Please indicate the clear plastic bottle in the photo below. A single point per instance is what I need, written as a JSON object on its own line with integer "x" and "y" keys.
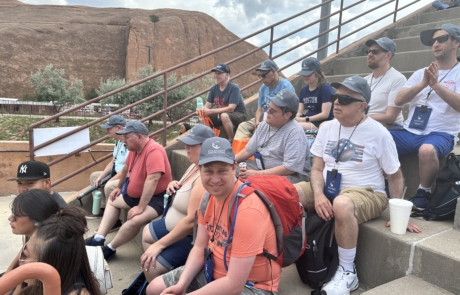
{"x": 199, "y": 103}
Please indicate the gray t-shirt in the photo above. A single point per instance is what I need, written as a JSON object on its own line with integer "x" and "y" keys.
{"x": 287, "y": 146}
{"x": 57, "y": 197}
{"x": 230, "y": 95}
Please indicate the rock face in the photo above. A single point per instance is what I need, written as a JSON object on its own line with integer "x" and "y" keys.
{"x": 94, "y": 43}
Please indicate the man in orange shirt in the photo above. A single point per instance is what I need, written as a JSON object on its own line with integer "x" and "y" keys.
{"x": 248, "y": 272}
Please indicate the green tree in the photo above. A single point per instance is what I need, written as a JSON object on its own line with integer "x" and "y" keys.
{"x": 122, "y": 98}
{"x": 51, "y": 85}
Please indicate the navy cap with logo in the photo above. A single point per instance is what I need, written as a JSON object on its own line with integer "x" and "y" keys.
{"x": 427, "y": 35}
{"x": 268, "y": 65}
{"x": 285, "y": 98}
{"x": 216, "y": 150}
{"x": 385, "y": 43}
{"x": 197, "y": 135}
{"x": 223, "y": 68}
{"x": 32, "y": 170}
{"x": 357, "y": 84}
{"x": 134, "y": 126}
{"x": 309, "y": 65}
{"x": 113, "y": 121}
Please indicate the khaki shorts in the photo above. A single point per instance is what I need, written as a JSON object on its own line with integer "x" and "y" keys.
{"x": 368, "y": 204}
{"x": 172, "y": 277}
{"x": 235, "y": 117}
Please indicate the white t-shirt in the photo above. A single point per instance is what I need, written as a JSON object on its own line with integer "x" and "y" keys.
{"x": 368, "y": 153}
{"x": 384, "y": 90}
{"x": 443, "y": 117}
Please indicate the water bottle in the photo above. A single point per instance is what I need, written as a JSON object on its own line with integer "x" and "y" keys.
{"x": 165, "y": 200}
{"x": 199, "y": 103}
{"x": 97, "y": 202}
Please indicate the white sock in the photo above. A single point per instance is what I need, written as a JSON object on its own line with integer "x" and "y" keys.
{"x": 427, "y": 189}
{"x": 111, "y": 247}
{"x": 346, "y": 258}
{"x": 99, "y": 237}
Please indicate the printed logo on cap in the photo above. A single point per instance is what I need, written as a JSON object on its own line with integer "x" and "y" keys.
{"x": 214, "y": 145}
{"x": 23, "y": 169}
{"x": 351, "y": 80}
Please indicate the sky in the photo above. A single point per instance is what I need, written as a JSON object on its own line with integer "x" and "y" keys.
{"x": 243, "y": 17}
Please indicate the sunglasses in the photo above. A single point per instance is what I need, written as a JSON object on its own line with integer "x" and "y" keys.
{"x": 272, "y": 111}
{"x": 344, "y": 99}
{"x": 23, "y": 258}
{"x": 440, "y": 39}
{"x": 374, "y": 51}
{"x": 262, "y": 76}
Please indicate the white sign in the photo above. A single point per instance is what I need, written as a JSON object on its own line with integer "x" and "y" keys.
{"x": 63, "y": 146}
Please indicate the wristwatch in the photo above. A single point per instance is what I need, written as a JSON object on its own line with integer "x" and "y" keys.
{"x": 307, "y": 119}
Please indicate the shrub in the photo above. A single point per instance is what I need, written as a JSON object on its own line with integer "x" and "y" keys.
{"x": 154, "y": 18}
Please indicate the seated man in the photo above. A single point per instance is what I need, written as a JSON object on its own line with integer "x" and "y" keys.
{"x": 230, "y": 110}
{"x": 248, "y": 272}
{"x": 352, "y": 153}
{"x": 146, "y": 175}
{"x": 111, "y": 171}
{"x": 385, "y": 82}
{"x": 272, "y": 84}
{"x": 279, "y": 143}
{"x": 434, "y": 95}
{"x": 35, "y": 174}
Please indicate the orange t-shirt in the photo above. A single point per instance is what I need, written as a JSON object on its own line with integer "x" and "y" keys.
{"x": 254, "y": 232}
{"x": 152, "y": 159}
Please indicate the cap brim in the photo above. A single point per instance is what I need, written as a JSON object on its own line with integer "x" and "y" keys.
{"x": 107, "y": 126}
{"x": 264, "y": 69}
{"x": 305, "y": 73}
{"x": 189, "y": 141}
{"x": 279, "y": 103}
{"x": 217, "y": 70}
{"x": 215, "y": 159}
{"x": 124, "y": 131}
{"x": 426, "y": 36}
{"x": 25, "y": 178}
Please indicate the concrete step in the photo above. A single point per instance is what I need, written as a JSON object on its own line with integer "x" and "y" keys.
{"x": 441, "y": 15}
{"x": 403, "y": 61}
{"x": 413, "y": 31}
{"x": 409, "y": 285}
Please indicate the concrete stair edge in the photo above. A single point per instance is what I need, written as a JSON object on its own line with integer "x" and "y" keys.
{"x": 407, "y": 285}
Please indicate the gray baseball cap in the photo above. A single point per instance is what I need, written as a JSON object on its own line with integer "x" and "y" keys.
{"x": 309, "y": 65}
{"x": 268, "y": 65}
{"x": 114, "y": 120}
{"x": 134, "y": 126}
{"x": 357, "y": 84}
{"x": 384, "y": 43}
{"x": 285, "y": 98}
{"x": 427, "y": 35}
{"x": 216, "y": 150}
{"x": 197, "y": 135}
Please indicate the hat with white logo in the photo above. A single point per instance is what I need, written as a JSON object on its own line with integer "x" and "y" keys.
{"x": 223, "y": 68}
{"x": 268, "y": 65}
{"x": 309, "y": 65}
{"x": 285, "y": 98}
{"x": 32, "y": 170}
{"x": 197, "y": 135}
{"x": 357, "y": 84}
{"x": 216, "y": 150}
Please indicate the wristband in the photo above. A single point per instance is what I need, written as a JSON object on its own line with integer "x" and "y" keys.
{"x": 307, "y": 119}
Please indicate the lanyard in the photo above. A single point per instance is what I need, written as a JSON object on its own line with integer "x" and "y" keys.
{"x": 431, "y": 89}
{"x": 344, "y": 146}
{"x": 378, "y": 80}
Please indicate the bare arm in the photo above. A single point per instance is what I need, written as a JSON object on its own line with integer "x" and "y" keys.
{"x": 242, "y": 155}
{"x": 389, "y": 117}
{"x": 228, "y": 109}
{"x": 323, "y": 206}
{"x": 407, "y": 94}
{"x": 450, "y": 97}
{"x": 258, "y": 116}
{"x": 278, "y": 170}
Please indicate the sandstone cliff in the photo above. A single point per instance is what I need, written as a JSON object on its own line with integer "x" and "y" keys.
{"x": 94, "y": 43}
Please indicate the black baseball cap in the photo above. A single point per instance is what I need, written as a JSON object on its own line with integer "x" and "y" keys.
{"x": 32, "y": 170}
{"x": 223, "y": 68}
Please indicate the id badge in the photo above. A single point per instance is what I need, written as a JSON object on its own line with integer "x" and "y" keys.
{"x": 208, "y": 265}
{"x": 124, "y": 189}
{"x": 333, "y": 180}
{"x": 264, "y": 117}
{"x": 420, "y": 118}
{"x": 259, "y": 161}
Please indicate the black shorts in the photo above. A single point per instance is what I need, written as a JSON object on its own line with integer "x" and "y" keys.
{"x": 156, "y": 202}
{"x": 235, "y": 117}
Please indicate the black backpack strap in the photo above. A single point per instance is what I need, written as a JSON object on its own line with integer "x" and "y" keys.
{"x": 203, "y": 206}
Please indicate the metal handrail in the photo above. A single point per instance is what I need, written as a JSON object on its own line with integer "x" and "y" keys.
{"x": 164, "y": 74}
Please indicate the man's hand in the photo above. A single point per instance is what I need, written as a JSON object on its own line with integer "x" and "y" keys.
{"x": 323, "y": 207}
{"x": 206, "y": 112}
{"x": 410, "y": 227}
{"x": 300, "y": 119}
{"x": 173, "y": 186}
{"x": 114, "y": 194}
{"x": 173, "y": 290}
{"x": 149, "y": 258}
{"x": 245, "y": 173}
{"x": 136, "y": 210}
{"x": 432, "y": 72}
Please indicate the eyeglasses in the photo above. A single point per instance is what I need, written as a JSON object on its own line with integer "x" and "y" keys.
{"x": 374, "y": 51}
{"x": 344, "y": 99}
{"x": 272, "y": 111}
{"x": 23, "y": 258}
{"x": 440, "y": 39}
{"x": 262, "y": 76}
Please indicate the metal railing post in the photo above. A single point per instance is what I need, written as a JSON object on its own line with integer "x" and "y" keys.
{"x": 340, "y": 27}
{"x": 271, "y": 42}
{"x": 324, "y": 26}
{"x": 165, "y": 105}
{"x": 396, "y": 11}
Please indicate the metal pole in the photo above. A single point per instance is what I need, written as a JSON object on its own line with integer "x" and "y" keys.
{"x": 340, "y": 27}
{"x": 324, "y": 26}
{"x": 149, "y": 47}
{"x": 165, "y": 105}
{"x": 396, "y": 10}
{"x": 271, "y": 42}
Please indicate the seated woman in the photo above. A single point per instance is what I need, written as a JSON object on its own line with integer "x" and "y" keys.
{"x": 28, "y": 210}
{"x": 58, "y": 241}
{"x": 315, "y": 105}
{"x": 184, "y": 128}
{"x": 167, "y": 241}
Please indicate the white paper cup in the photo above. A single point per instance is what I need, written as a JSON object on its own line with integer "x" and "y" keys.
{"x": 399, "y": 215}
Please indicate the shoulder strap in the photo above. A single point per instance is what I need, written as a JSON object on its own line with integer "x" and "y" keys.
{"x": 203, "y": 206}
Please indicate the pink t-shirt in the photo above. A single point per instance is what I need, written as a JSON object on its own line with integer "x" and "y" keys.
{"x": 152, "y": 159}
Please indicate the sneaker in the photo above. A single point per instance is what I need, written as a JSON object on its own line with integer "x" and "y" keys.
{"x": 108, "y": 253}
{"x": 93, "y": 242}
{"x": 342, "y": 283}
{"x": 115, "y": 227}
{"x": 420, "y": 200}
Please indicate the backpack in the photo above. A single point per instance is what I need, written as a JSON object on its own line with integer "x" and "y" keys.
{"x": 443, "y": 201}
{"x": 281, "y": 199}
{"x": 137, "y": 287}
{"x": 321, "y": 258}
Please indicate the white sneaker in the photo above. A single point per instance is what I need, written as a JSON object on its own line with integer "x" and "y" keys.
{"x": 342, "y": 283}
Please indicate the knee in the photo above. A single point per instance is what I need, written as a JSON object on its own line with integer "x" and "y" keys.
{"x": 343, "y": 207}
{"x": 225, "y": 118}
{"x": 135, "y": 223}
{"x": 156, "y": 286}
{"x": 427, "y": 151}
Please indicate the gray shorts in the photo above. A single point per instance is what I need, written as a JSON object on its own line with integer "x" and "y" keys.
{"x": 171, "y": 278}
